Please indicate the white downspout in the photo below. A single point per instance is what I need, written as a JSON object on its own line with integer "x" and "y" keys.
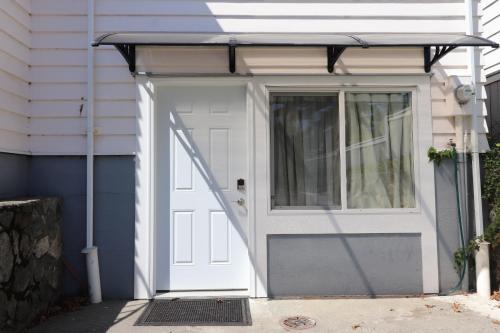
{"x": 94, "y": 280}
{"x": 482, "y": 255}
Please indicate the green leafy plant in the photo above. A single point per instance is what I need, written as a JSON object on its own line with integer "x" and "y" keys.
{"x": 491, "y": 187}
{"x": 491, "y": 192}
{"x": 491, "y": 235}
{"x": 438, "y": 156}
{"x": 462, "y": 254}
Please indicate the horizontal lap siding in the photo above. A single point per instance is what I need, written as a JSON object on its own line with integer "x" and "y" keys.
{"x": 59, "y": 55}
{"x": 491, "y": 23}
{"x": 492, "y": 58}
{"x": 14, "y": 75}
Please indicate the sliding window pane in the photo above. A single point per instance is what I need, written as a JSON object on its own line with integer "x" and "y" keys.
{"x": 379, "y": 150}
{"x": 305, "y": 151}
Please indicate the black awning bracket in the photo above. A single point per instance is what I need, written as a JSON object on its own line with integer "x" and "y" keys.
{"x": 232, "y": 56}
{"x": 128, "y": 53}
{"x": 439, "y": 52}
{"x": 333, "y": 54}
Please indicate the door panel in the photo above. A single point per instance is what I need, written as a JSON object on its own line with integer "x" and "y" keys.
{"x": 182, "y": 166}
{"x": 219, "y": 156}
{"x": 220, "y": 238}
{"x": 204, "y": 226}
{"x": 182, "y": 226}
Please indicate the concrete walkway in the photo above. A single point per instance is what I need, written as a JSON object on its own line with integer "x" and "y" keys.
{"x": 386, "y": 315}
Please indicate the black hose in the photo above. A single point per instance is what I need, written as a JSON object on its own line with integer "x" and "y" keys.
{"x": 460, "y": 227}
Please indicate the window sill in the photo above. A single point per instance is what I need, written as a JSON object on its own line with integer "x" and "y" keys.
{"x": 371, "y": 211}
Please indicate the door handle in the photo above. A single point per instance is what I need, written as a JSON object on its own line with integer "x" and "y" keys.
{"x": 240, "y": 202}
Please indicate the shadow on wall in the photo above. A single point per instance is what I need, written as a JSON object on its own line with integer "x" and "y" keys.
{"x": 65, "y": 177}
{"x": 13, "y": 171}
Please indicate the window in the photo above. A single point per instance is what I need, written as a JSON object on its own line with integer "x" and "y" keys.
{"x": 306, "y": 150}
{"x": 379, "y": 150}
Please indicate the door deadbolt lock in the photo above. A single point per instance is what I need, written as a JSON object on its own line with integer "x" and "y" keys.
{"x": 240, "y": 184}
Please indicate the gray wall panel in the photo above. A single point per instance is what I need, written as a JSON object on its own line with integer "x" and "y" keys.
{"x": 65, "y": 176}
{"x": 13, "y": 175}
{"x": 378, "y": 264}
{"x": 447, "y": 226}
{"x": 114, "y": 223}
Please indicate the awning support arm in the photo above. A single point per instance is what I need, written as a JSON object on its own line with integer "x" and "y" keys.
{"x": 333, "y": 54}
{"x": 439, "y": 52}
{"x": 128, "y": 53}
{"x": 232, "y": 57}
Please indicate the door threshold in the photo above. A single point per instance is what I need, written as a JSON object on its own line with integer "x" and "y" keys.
{"x": 202, "y": 293}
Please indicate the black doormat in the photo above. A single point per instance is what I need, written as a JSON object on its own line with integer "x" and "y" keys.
{"x": 197, "y": 312}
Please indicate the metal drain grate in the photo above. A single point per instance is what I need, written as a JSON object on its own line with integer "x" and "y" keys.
{"x": 197, "y": 312}
{"x": 298, "y": 323}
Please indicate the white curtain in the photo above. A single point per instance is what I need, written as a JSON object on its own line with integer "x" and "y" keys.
{"x": 305, "y": 150}
{"x": 379, "y": 150}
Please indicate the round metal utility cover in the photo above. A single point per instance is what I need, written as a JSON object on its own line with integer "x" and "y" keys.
{"x": 298, "y": 323}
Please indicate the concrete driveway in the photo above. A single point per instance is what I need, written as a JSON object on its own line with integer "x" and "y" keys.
{"x": 433, "y": 314}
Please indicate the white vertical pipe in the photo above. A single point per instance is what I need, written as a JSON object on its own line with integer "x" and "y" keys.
{"x": 94, "y": 281}
{"x": 90, "y": 126}
{"x": 482, "y": 256}
{"x": 93, "y": 278}
{"x": 483, "y": 271}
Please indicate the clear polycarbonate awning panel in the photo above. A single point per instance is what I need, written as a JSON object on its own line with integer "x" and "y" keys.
{"x": 335, "y": 44}
{"x": 175, "y": 39}
{"x": 366, "y": 40}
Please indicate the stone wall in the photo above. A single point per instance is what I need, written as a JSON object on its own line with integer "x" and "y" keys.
{"x": 30, "y": 259}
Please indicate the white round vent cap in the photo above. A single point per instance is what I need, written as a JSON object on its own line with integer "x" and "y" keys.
{"x": 464, "y": 93}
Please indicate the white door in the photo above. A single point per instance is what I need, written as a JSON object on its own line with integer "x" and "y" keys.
{"x": 207, "y": 215}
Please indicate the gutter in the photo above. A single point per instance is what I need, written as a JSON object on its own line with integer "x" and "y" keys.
{"x": 94, "y": 280}
{"x": 482, "y": 255}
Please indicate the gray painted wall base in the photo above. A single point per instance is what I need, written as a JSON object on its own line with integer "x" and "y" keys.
{"x": 65, "y": 176}
{"x": 447, "y": 227}
{"x": 114, "y": 203}
{"x": 13, "y": 175}
{"x": 375, "y": 264}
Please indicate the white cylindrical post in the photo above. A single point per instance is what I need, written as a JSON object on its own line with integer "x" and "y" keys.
{"x": 94, "y": 280}
{"x": 483, "y": 270}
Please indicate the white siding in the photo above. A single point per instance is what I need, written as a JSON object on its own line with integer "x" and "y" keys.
{"x": 58, "y": 55}
{"x": 491, "y": 24}
{"x": 14, "y": 75}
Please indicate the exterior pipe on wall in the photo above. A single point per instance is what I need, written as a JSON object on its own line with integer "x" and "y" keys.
{"x": 94, "y": 281}
{"x": 482, "y": 255}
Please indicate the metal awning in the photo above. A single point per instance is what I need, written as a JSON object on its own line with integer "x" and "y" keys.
{"x": 334, "y": 44}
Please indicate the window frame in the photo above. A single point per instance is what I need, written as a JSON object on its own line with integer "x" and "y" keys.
{"x": 271, "y": 151}
{"x": 341, "y": 91}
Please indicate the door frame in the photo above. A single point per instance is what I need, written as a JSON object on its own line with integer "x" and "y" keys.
{"x": 146, "y": 176}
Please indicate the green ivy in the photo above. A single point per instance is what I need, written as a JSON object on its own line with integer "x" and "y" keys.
{"x": 491, "y": 188}
{"x": 491, "y": 192}
{"x": 462, "y": 254}
{"x": 439, "y": 155}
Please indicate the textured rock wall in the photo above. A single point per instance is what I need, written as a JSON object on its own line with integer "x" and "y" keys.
{"x": 30, "y": 259}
